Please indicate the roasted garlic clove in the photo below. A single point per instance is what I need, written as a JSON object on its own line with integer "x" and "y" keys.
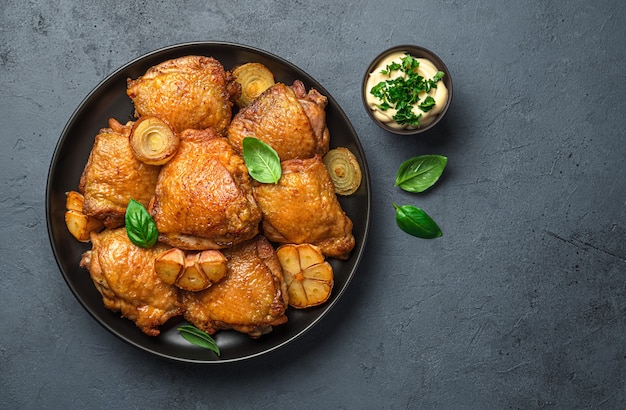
{"x": 192, "y": 279}
{"x": 254, "y": 78}
{"x": 213, "y": 264}
{"x": 344, "y": 170}
{"x": 74, "y": 201}
{"x": 153, "y": 141}
{"x": 309, "y": 278}
{"x": 169, "y": 264}
{"x": 80, "y": 225}
{"x": 193, "y": 271}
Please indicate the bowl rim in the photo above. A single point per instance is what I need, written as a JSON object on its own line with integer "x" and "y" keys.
{"x": 416, "y": 51}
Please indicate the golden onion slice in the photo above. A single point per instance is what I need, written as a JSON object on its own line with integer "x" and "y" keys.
{"x": 309, "y": 278}
{"x": 153, "y": 141}
{"x": 254, "y": 78}
{"x": 344, "y": 170}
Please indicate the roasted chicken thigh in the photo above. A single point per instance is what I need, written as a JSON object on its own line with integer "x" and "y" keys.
{"x": 303, "y": 208}
{"x": 113, "y": 176}
{"x": 251, "y": 298}
{"x": 187, "y": 92}
{"x": 203, "y": 195}
{"x": 124, "y": 275}
{"x": 289, "y": 119}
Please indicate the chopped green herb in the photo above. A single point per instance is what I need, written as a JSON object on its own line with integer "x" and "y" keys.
{"x": 427, "y": 104}
{"x": 391, "y": 67}
{"x": 438, "y": 77}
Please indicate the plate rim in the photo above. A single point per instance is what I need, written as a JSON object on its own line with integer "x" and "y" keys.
{"x": 172, "y": 49}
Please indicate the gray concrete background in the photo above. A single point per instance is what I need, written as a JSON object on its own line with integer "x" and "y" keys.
{"x": 522, "y": 302}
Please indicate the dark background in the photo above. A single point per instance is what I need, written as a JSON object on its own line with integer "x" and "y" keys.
{"x": 522, "y": 302}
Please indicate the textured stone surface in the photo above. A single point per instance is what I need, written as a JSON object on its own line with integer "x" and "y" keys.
{"x": 522, "y": 302}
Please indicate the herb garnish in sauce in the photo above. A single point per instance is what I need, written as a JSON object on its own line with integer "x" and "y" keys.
{"x": 403, "y": 92}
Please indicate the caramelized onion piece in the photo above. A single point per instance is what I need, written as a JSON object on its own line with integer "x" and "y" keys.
{"x": 309, "y": 278}
{"x": 254, "y": 79}
{"x": 153, "y": 141}
{"x": 344, "y": 170}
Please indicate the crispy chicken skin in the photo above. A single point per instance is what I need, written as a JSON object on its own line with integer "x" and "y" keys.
{"x": 203, "y": 195}
{"x": 112, "y": 176}
{"x": 252, "y": 297}
{"x": 124, "y": 275}
{"x": 303, "y": 208}
{"x": 286, "y": 118}
{"x": 187, "y": 92}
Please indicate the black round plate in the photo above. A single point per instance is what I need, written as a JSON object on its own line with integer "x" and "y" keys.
{"x": 109, "y": 100}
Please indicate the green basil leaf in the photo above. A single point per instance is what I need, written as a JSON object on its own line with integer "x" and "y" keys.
{"x": 416, "y": 222}
{"x": 140, "y": 226}
{"x": 262, "y": 161}
{"x": 419, "y": 173}
{"x": 199, "y": 338}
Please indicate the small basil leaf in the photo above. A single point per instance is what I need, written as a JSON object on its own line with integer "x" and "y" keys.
{"x": 199, "y": 338}
{"x": 140, "y": 226}
{"x": 262, "y": 161}
{"x": 416, "y": 222}
{"x": 419, "y": 173}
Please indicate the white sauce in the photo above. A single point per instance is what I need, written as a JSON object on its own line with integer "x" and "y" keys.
{"x": 427, "y": 70}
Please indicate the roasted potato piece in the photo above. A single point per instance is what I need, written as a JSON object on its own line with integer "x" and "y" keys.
{"x": 79, "y": 224}
{"x": 153, "y": 141}
{"x": 254, "y": 78}
{"x": 193, "y": 271}
{"x": 308, "y": 276}
{"x": 344, "y": 170}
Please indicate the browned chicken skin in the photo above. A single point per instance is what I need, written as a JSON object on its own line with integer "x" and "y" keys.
{"x": 286, "y": 118}
{"x": 187, "y": 92}
{"x": 124, "y": 275}
{"x": 203, "y": 196}
{"x": 303, "y": 208}
{"x": 112, "y": 176}
{"x": 251, "y": 298}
